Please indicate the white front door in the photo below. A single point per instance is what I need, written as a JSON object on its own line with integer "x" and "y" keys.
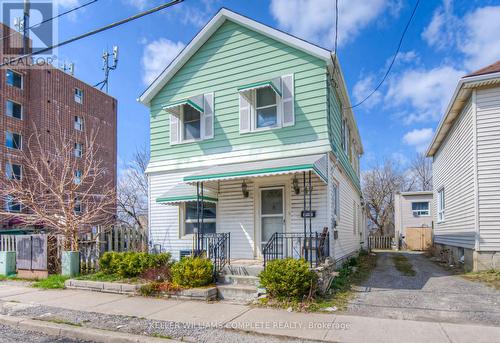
{"x": 272, "y": 213}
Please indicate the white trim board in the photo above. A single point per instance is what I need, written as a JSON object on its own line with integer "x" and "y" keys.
{"x": 208, "y": 30}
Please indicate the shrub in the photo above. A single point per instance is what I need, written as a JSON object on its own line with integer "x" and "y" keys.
{"x": 288, "y": 278}
{"x": 192, "y": 272}
{"x": 132, "y": 264}
{"x": 156, "y": 288}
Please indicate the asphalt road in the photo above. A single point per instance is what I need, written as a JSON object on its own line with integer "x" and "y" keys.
{"x": 11, "y": 335}
{"x": 433, "y": 294}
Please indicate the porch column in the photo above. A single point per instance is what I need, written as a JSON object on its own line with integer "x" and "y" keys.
{"x": 202, "y": 229}
{"x": 305, "y": 219}
{"x": 310, "y": 219}
{"x": 197, "y": 217}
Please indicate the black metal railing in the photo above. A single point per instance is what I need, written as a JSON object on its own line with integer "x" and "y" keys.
{"x": 217, "y": 248}
{"x": 313, "y": 247}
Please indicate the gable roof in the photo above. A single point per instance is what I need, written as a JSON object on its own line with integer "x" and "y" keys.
{"x": 485, "y": 77}
{"x": 492, "y": 68}
{"x": 207, "y": 31}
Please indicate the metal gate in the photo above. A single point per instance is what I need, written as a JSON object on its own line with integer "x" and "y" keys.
{"x": 31, "y": 252}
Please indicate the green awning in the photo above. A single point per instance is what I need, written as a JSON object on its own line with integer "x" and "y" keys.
{"x": 182, "y": 192}
{"x": 314, "y": 163}
{"x": 275, "y": 85}
{"x": 195, "y": 102}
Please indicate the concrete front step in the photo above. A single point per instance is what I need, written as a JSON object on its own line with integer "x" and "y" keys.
{"x": 237, "y": 293}
{"x": 243, "y": 270}
{"x": 240, "y": 280}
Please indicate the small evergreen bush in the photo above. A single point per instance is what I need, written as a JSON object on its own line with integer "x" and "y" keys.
{"x": 192, "y": 272}
{"x": 132, "y": 264}
{"x": 288, "y": 279}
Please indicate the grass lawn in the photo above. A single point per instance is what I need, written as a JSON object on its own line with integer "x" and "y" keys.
{"x": 403, "y": 265}
{"x": 52, "y": 282}
{"x": 489, "y": 277}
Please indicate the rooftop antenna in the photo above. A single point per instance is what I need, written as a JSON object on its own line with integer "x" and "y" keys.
{"x": 107, "y": 68}
{"x": 26, "y": 26}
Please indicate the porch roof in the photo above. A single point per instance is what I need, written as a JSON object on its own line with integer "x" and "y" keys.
{"x": 315, "y": 163}
{"x": 182, "y": 192}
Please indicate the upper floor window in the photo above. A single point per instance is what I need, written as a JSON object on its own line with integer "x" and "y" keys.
{"x": 78, "y": 177}
{"x": 79, "y": 95}
{"x": 346, "y": 137}
{"x": 191, "y": 119}
{"x": 266, "y": 108}
{"x": 191, "y": 123}
{"x": 78, "y": 123}
{"x": 13, "y": 171}
{"x": 267, "y": 104}
{"x": 11, "y": 205}
{"x": 14, "y": 79}
{"x": 13, "y": 140}
{"x": 13, "y": 109}
{"x": 78, "y": 208}
{"x": 441, "y": 205}
{"x": 78, "y": 151}
{"x": 420, "y": 208}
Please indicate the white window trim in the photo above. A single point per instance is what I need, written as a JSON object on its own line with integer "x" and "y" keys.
{"x": 81, "y": 123}
{"x": 416, "y": 212}
{"x": 80, "y": 97}
{"x": 254, "y": 108}
{"x": 7, "y": 208}
{"x": 441, "y": 200}
{"x": 12, "y": 116}
{"x": 80, "y": 154}
{"x": 20, "y": 140}
{"x": 182, "y": 221}
{"x": 181, "y": 128}
{"x": 9, "y": 165}
{"x": 15, "y": 72}
{"x": 77, "y": 178}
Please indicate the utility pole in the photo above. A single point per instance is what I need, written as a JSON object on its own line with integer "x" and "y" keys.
{"x": 107, "y": 68}
{"x": 26, "y": 25}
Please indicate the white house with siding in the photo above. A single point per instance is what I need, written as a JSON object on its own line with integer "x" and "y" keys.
{"x": 254, "y": 125}
{"x": 466, "y": 172}
{"x": 411, "y": 210}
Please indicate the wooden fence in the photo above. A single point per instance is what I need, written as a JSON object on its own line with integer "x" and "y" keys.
{"x": 380, "y": 242}
{"x": 91, "y": 245}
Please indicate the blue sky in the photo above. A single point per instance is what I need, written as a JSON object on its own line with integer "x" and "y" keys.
{"x": 446, "y": 40}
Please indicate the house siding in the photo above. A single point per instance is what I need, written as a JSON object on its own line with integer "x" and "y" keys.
{"x": 403, "y": 212}
{"x": 453, "y": 169}
{"x": 232, "y": 57}
{"x": 488, "y": 167}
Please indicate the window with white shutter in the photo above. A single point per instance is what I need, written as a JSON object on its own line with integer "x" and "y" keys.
{"x": 287, "y": 100}
{"x": 208, "y": 116}
{"x": 174, "y": 128}
{"x": 245, "y": 111}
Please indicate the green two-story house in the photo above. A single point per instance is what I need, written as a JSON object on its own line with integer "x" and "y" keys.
{"x": 252, "y": 134}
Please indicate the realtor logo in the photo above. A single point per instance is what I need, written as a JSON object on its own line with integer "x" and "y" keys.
{"x": 31, "y": 28}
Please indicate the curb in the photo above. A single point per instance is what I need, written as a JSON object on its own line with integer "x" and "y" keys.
{"x": 79, "y": 333}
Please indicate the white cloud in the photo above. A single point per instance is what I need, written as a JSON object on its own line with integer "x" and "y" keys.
{"x": 419, "y": 138}
{"x": 363, "y": 88}
{"x": 314, "y": 20}
{"x": 482, "y": 39}
{"x": 156, "y": 56}
{"x": 68, "y": 3}
{"x": 441, "y": 33}
{"x": 139, "y": 4}
{"x": 427, "y": 91}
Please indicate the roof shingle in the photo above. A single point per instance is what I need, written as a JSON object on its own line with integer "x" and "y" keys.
{"x": 492, "y": 68}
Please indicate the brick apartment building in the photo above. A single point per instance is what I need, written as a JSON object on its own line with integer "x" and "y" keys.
{"x": 42, "y": 97}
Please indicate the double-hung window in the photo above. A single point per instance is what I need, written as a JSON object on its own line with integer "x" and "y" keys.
{"x": 441, "y": 205}
{"x": 13, "y": 109}
{"x": 191, "y": 119}
{"x": 78, "y": 208}
{"x": 13, "y": 171}
{"x": 191, "y": 218}
{"x": 11, "y": 205}
{"x": 267, "y": 104}
{"x": 420, "y": 208}
{"x": 13, "y": 140}
{"x": 78, "y": 151}
{"x": 77, "y": 179}
{"x": 14, "y": 79}
{"x": 78, "y": 95}
{"x": 78, "y": 123}
{"x": 266, "y": 109}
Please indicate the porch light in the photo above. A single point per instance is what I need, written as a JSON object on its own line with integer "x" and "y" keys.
{"x": 295, "y": 184}
{"x": 244, "y": 189}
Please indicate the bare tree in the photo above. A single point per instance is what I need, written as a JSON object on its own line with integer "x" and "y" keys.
{"x": 420, "y": 172}
{"x": 133, "y": 191}
{"x": 379, "y": 187}
{"x": 65, "y": 187}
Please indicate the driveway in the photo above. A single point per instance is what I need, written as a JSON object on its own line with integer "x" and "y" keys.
{"x": 433, "y": 294}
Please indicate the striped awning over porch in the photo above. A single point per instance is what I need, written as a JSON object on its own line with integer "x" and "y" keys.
{"x": 314, "y": 163}
{"x": 182, "y": 192}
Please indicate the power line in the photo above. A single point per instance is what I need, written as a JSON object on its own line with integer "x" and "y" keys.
{"x": 93, "y": 32}
{"x": 393, "y": 58}
{"x": 53, "y": 18}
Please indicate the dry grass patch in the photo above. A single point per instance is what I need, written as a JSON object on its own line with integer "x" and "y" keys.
{"x": 403, "y": 265}
{"x": 489, "y": 277}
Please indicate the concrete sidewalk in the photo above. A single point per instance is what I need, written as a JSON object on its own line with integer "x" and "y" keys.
{"x": 312, "y": 326}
